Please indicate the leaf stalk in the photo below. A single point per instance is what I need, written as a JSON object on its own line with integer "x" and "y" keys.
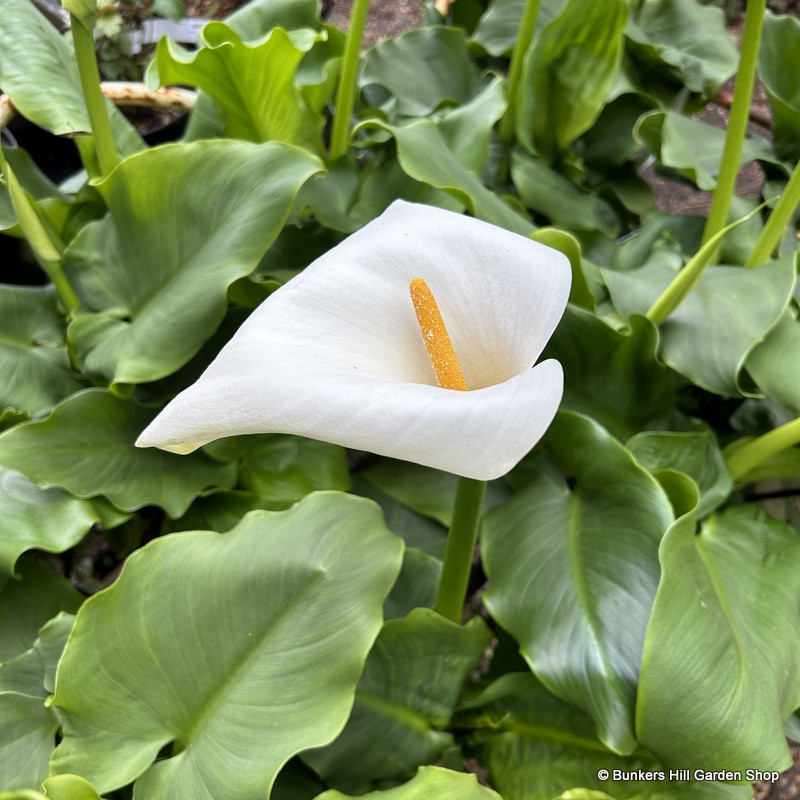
{"x": 737, "y": 126}
{"x": 346, "y": 93}
{"x": 776, "y": 223}
{"x": 100, "y": 122}
{"x": 755, "y": 452}
{"x": 460, "y": 548}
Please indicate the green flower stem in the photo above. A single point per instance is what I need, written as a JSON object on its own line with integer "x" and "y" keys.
{"x": 526, "y": 30}
{"x": 99, "y": 120}
{"x": 46, "y": 244}
{"x": 346, "y": 94}
{"x": 460, "y": 548}
{"x": 763, "y": 447}
{"x": 778, "y": 220}
{"x": 737, "y": 127}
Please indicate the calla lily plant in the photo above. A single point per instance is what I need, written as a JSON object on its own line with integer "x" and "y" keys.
{"x": 337, "y": 354}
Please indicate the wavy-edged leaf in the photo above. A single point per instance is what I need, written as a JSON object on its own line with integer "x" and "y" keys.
{"x": 253, "y": 84}
{"x": 712, "y": 332}
{"x": 422, "y": 69}
{"x": 186, "y": 221}
{"x": 536, "y": 746}
{"x": 86, "y": 447}
{"x": 600, "y": 366}
{"x": 406, "y": 696}
{"x": 695, "y": 453}
{"x": 683, "y": 43}
{"x": 40, "y": 519}
{"x": 33, "y": 357}
{"x": 722, "y": 645}
{"x": 296, "y": 598}
{"x": 430, "y": 783}
{"x": 573, "y": 571}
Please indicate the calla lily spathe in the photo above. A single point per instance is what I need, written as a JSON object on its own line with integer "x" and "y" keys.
{"x": 336, "y": 354}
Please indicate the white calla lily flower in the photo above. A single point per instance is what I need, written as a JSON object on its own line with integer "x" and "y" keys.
{"x": 337, "y": 355}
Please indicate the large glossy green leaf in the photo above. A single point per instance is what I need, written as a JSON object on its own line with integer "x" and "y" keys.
{"x": 721, "y": 665}
{"x": 33, "y": 357}
{"x": 430, "y": 783}
{"x": 41, "y": 519}
{"x": 682, "y": 42}
{"x": 568, "y": 73}
{"x": 536, "y": 746}
{"x": 257, "y": 18}
{"x": 712, "y": 332}
{"x": 186, "y": 221}
{"x": 554, "y": 195}
{"x": 693, "y": 148}
{"x": 86, "y": 447}
{"x": 253, "y": 85}
{"x": 780, "y": 47}
{"x": 573, "y": 570}
{"x": 695, "y": 453}
{"x": 40, "y": 74}
{"x": 426, "y": 156}
{"x": 600, "y": 367}
{"x": 406, "y": 696}
{"x": 767, "y": 363}
{"x": 294, "y": 596}
{"x": 422, "y": 69}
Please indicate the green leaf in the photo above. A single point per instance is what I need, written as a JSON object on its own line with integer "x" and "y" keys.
{"x": 186, "y": 221}
{"x": 683, "y": 42}
{"x": 86, "y": 447}
{"x": 33, "y": 357}
{"x": 430, "y": 783}
{"x": 40, "y": 519}
{"x": 422, "y": 69}
{"x": 253, "y": 84}
{"x": 536, "y": 746}
{"x": 550, "y": 193}
{"x": 693, "y": 148}
{"x": 296, "y": 598}
{"x": 283, "y": 469}
{"x": 39, "y": 73}
{"x": 573, "y": 572}
{"x": 579, "y": 293}
{"x": 780, "y": 47}
{"x": 696, "y": 453}
{"x": 568, "y": 73}
{"x": 416, "y": 585}
{"x": 600, "y": 367}
{"x": 712, "y": 332}
{"x": 411, "y": 682}
{"x": 767, "y": 362}
{"x": 721, "y": 665}
{"x": 425, "y": 155}
{"x": 498, "y": 28}
{"x": 27, "y": 727}
{"x": 28, "y": 603}
{"x": 33, "y": 181}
